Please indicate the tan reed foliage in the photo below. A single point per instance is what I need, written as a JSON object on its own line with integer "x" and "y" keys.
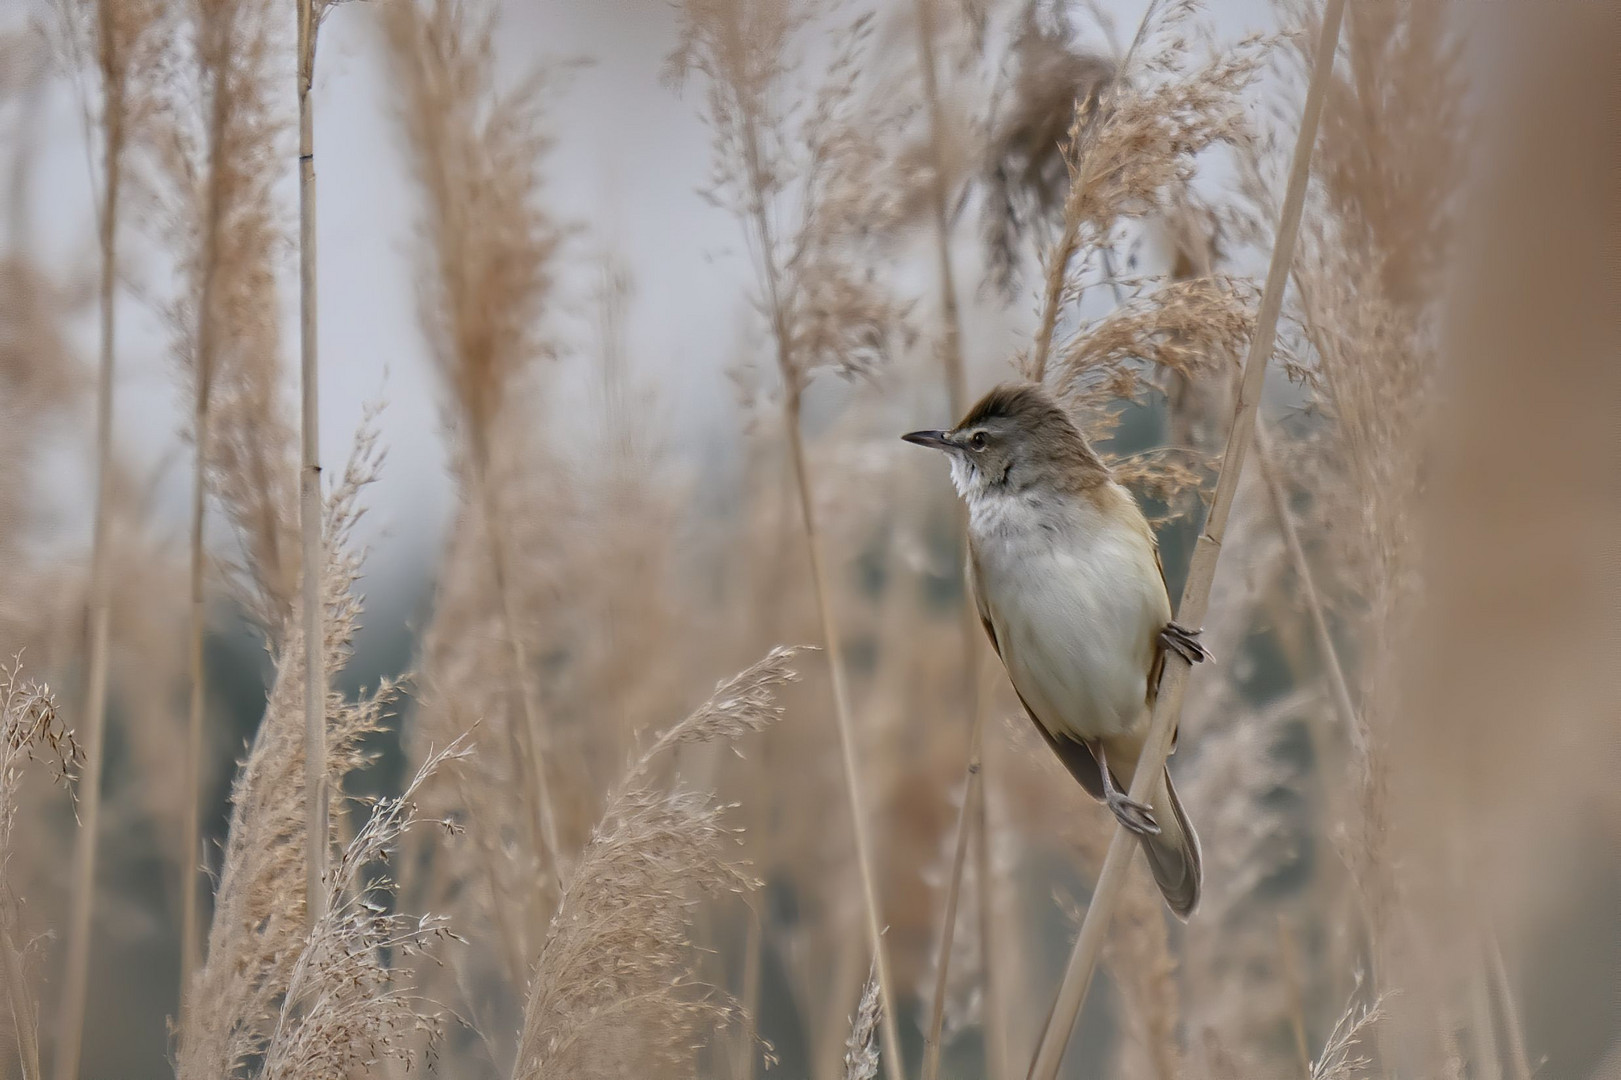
{"x": 972, "y": 816}
{"x": 1055, "y": 87}
{"x": 349, "y": 1004}
{"x": 217, "y": 153}
{"x": 487, "y": 248}
{"x": 258, "y": 930}
{"x": 613, "y": 992}
{"x": 37, "y": 380}
{"x": 823, "y": 303}
{"x": 1368, "y": 288}
{"x": 1153, "y": 119}
{"x": 30, "y": 730}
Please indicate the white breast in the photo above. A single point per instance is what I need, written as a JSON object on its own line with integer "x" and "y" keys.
{"x": 1076, "y": 609}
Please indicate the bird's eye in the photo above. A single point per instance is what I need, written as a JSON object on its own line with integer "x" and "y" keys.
{"x": 977, "y": 441}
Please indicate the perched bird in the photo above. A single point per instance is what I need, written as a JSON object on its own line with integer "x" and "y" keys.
{"x": 1068, "y": 580}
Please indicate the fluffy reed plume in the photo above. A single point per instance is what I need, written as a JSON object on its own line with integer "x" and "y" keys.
{"x": 861, "y": 1048}
{"x": 37, "y": 381}
{"x": 348, "y": 1005}
{"x": 30, "y": 730}
{"x": 1368, "y": 308}
{"x": 819, "y": 295}
{"x": 257, "y": 936}
{"x": 1188, "y": 328}
{"x": 488, "y": 248}
{"x": 1055, "y": 88}
{"x": 613, "y": 992}
{"x": 219, "y": 155}
{"x": 1153, "y": 119}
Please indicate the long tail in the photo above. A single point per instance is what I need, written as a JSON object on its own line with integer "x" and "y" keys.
{"x": 1174, "y": 855}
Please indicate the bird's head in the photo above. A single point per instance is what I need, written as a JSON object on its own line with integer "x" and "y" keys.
{"x": 1015, "y": 440}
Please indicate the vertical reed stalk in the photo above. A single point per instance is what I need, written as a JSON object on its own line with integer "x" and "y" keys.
{"x": 972, "y": 812}
{"x": 995, "y": 1014}
{"x": 309, "y": 487}
{"x": 75, "y": 982}
{"x": 1339, "y": 688}
{"x": 1201, "y": 573}
{"x": 792, "y": 380}
{"x": 894, "y": 1067}
{"x": 213, "y": 211}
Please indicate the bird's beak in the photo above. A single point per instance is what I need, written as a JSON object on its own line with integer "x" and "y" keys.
{"x": 937, "y": 439}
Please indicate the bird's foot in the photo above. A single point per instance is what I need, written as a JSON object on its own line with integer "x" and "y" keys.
{"x": 1184, "y": 642}
{"x": 1135, "y": 816}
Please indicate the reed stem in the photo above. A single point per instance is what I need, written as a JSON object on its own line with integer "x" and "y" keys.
{"x": 76, "y": 979}
{"x": 1202, "y": 571}
{"x": 316, "y": 826}
{"x": 971, "y": 814}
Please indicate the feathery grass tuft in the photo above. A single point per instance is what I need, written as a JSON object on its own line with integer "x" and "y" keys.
{"x": 613, "y": 993}
{"x": 348, "y": 1005}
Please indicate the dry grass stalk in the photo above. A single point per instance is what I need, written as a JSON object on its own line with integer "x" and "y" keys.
{"x": 1195, "y": 595}
{"x": 309, "y": 472}
{"x": 347, "y": 1007}
{"x": 957, "y": 396}
{"x": 122, "y": 42}
{"x": 824, "y": 309}
{"x": 29, "y": 726}
{"x": 489, "y": 248}
{"x": 613, "y": 992}
{"x": 1140, "y": 146}
{"x": 1340, "y": 1059}
{"x": 259, "y": 927}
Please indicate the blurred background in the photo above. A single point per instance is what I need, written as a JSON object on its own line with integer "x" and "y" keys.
{"x": 589, "y": 273}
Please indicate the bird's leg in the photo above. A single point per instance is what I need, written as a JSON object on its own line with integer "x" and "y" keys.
{"x": 1135, "y": 816}
{"x": 1184, "y": 642}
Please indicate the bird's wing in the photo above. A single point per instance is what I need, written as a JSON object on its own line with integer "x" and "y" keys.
{"x": 1076, "y": 756}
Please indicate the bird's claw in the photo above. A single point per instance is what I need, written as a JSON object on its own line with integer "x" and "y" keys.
{"x": 1184, "y": 642}
{"x": 1135, "y": 816}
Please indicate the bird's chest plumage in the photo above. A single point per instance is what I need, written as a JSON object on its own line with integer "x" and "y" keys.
{"x": 1076, "y": 601}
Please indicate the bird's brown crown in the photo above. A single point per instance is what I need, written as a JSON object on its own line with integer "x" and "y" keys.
{"x": 1047, "y": 436}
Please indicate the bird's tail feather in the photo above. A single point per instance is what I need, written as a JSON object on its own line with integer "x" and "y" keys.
{"x": 1174, "y": 855}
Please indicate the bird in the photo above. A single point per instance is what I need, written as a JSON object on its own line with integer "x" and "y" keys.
{"x": 1067, "y": 577}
